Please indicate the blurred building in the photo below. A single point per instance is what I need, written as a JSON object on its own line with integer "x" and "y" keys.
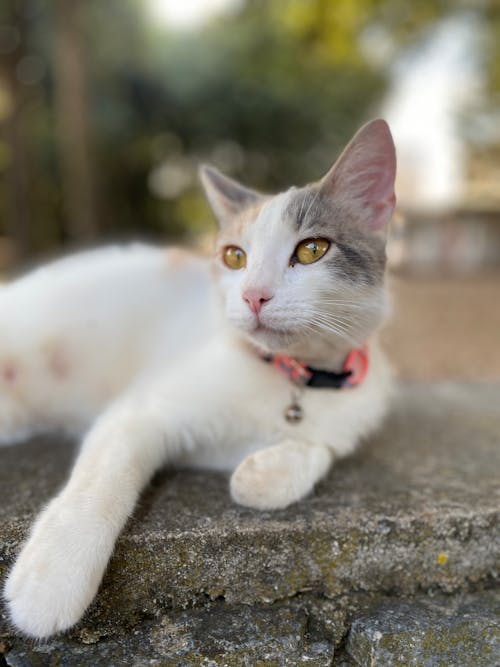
{"x": 448, "y": 181}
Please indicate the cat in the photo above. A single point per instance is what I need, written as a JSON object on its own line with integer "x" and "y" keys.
{"x": 262, "y": 360}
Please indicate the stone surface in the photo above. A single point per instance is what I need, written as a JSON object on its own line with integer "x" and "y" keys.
{"x": 214, "y": 635}
{"x": 415, "y": 510}
{"x": 429, "y": 633}
{"x": 443, "y": 631}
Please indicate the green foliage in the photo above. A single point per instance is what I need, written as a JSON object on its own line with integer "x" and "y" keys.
{"x": 270, "y": 94}
{"x": 285, "y": 102}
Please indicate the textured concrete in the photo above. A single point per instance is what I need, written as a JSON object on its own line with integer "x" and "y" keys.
{"x": 458, "y": 632}
{"x": 416, "y": 510}
{"x": 213, "y": 636}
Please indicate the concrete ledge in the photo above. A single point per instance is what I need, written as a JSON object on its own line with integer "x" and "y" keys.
{"x": 297, "y": 633}
{"x": 416, "y": 510}
{"x": 463, "y": 631}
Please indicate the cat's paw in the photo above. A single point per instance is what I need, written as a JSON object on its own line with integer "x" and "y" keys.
{"x": 276, "y": 477}
{"x": 57, "y": 573}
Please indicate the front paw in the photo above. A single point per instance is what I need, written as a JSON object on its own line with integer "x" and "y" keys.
{"x": 57, "y": 573}
{"x": 271, "y": 478}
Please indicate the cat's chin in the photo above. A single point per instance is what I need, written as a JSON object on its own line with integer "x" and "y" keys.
{"x": 273, "y": 340}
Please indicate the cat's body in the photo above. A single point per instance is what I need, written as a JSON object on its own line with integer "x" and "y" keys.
{"x": 159, "y": 353}
{"x": 78, "y": 332}
{"x": 108, "y": 322}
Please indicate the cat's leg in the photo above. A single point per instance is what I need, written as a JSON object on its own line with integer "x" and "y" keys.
{"x": 59, "y": 570}
{"x": 280, "y": 475}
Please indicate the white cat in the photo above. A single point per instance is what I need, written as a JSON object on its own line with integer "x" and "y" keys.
{"x": 171, "y": 357}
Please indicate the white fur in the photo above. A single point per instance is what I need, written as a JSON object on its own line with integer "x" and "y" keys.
{"x": 131, "y": 344}
{"x": 110, "y": 311}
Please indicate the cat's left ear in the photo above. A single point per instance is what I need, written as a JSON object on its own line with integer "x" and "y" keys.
{"x": 364, "y": 175}
{"x": 226, "y": 197}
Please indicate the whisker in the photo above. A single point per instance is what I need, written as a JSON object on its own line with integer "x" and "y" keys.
{"x": 354, "y": 305}
{"x": 343, "y": 326}
{"x": 348, "y": 322}
{"x": 313, "y": 201}
{"x": 344, "y": 318}
{"x": 300, "y": 216}
{"x": 340, "y": 331}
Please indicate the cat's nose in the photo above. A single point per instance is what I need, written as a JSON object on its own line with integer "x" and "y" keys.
{"x": 256, "y": 298}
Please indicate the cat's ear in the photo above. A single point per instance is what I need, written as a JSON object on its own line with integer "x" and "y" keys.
{"x": 364, "y": 174}
{"x": 226, "y": 197}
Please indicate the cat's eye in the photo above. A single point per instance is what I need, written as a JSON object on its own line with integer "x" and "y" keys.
{"x": 310, "y": 250}
{"x": 234, "y": 257}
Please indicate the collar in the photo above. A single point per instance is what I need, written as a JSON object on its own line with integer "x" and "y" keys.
{"x": 352, "y": 374}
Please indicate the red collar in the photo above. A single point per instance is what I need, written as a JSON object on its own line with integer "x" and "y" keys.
{"x": 353, "y": 371}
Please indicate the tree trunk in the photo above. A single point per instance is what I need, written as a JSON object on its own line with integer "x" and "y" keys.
{"x": 17, "y": 180}
{"x": 74, "y": 140}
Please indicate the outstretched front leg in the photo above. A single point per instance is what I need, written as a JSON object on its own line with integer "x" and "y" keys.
{"x": 280, "y": 475}
{"x": 60, "y": 568}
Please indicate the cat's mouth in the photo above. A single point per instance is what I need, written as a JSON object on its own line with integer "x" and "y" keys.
{"x": 260, "y": 327}
{"x": 272, "y": 336}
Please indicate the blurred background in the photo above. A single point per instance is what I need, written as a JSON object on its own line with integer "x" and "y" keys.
{"x": 107, "y": 108}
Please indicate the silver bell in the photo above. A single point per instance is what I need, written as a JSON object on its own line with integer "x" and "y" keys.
{"x": 294, "y": 413}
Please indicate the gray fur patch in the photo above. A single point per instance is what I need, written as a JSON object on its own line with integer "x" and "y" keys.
{"x": 361, "y": 253}
{"x": 300, "y": 204}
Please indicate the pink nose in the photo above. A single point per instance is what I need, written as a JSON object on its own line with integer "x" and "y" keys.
{"x": 256, "y": 298}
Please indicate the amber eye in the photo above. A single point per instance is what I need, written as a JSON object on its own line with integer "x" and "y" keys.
{"x": 234, "y": 257}
{"x": 310, "y": 250}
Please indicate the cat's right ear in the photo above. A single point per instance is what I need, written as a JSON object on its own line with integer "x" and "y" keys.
{"x": 226, "y": 197}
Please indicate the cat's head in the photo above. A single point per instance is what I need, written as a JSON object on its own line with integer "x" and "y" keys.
{"x": 307, "y": 266}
